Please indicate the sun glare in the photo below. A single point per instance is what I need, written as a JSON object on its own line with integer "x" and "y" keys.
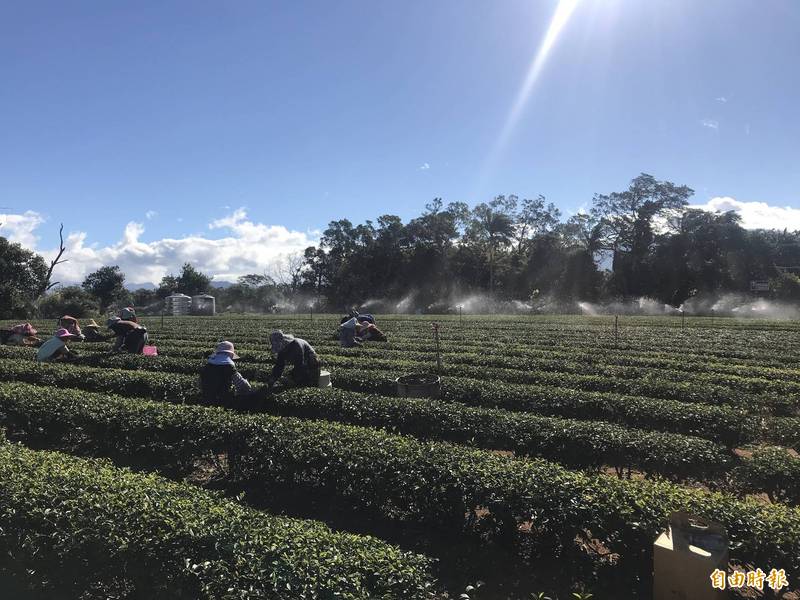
{"x": 560, "y": 18}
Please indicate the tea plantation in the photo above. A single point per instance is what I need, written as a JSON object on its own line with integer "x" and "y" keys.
{"x": 550, "y": 462}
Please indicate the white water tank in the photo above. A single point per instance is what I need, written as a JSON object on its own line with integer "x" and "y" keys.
{"x": 203, "y": 304}
{"x": 178, "y": 304}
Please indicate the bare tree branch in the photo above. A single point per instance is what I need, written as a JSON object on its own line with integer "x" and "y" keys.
{"x": 57, "y": 261}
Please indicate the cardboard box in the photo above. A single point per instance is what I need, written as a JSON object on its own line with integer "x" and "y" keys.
{"x": 684, "y": 557}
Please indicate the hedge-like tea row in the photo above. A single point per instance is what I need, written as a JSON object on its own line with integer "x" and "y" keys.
{"x": 764, "y": 363}
{"x": 77, "y": 528}
{"x": 575, "y": 444}
{"x": 434, "y": 484}
{"x": 649, "y": 383}
{"x": 662, "y": 382}
{"x": 723, "y": 424}
{"x": 703, "y": 342}
{"x": 603, "y": 364}
{"x": 674, "y": 456}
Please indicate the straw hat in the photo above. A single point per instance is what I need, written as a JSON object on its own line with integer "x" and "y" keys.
{"x": 226, "y": 348}
{"x": 91, "y": 323}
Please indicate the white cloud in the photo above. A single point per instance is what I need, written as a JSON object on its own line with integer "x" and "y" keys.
{"x": 722, "y": 99}
{"x": 20, "y": 228}
{"x": 424, "y": 167}
{"x": 756, "y": 215}
{"x": 150, "y": 215}
{"x": 710, "y": 123}
{"x": 249, "y": 247}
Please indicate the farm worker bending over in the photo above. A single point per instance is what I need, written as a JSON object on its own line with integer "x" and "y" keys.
{"x": 128, "y": 314}
{"x": 369, "y": 331}
{"x": 299, "y": 354}
{"x": 366, "y": 328}
{"x": 362, "y": 316}
{"x": 71, "y": 324}
{"x": 131, "y": 337}
{"x": 347, "y": 333}
{"x": 21, "y": 335}
{"x": 219, "y": 374}
{"x": 92, "y": 332}
{"x": 56, "y": 347}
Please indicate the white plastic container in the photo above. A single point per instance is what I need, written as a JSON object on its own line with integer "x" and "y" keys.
{"x": 325, "y": 379}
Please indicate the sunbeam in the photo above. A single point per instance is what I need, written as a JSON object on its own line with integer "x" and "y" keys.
{"x": 560, "y": 18}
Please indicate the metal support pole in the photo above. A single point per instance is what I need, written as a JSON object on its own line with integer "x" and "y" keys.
{"x": 683, "y": 319}
{"x": 438, "y": 352}
{"x": 459, "y": 315}
{"x": 311, "y": 308}
{"x": 616, "y": 331}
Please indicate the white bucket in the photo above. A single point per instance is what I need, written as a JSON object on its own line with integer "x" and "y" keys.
{"x": 325, "y": 379}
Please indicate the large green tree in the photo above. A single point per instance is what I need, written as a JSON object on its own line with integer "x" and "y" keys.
{"x": 189, "y": 282}
{"x": 627, "y": 224}
{"x": 492, "y": 228}
{"x": 23, "y": 276}
{"x": 106, "y": 286}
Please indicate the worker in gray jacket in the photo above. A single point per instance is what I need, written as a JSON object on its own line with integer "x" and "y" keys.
{"x": 299, "y": 354}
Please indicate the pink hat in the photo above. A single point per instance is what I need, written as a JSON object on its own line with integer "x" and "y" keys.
{"x": 227, "y": 348}
{"x": 62, "y": 333}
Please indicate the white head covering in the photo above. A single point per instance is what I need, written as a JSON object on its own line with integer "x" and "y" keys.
{"x": 278, "y": 340}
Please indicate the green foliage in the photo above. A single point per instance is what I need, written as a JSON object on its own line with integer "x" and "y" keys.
{"x": 69, "y": 300}
{"x": 190, "y": 282}
{"x": 23, "y": 276}
{"x": 772, "y": 470}
{"x": 786, "y": 286}
{"x": 555, "y": 388}
{"x": 577, "y": 444}
{"x": 432, "y": 484}
{"x": 79, "y": 528}
{"x": 106, "y": 285}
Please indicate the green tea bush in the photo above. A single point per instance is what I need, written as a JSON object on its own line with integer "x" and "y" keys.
{"x": 772, "y": 470}
{"x": 76, "y": 528}
{"x": 432, "y": 484}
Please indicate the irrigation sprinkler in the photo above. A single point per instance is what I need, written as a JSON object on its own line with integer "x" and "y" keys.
{"x": 683, "y": 319}
{"x": 438, "y": 352}
{"x": 311, "y": 311}
{"x": 459, "y": 314}
{"x": 616, "y": 330}
{"x": 712, "y": 317}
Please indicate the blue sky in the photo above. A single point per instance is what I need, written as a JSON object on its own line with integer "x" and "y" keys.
{"x": 139, "y": 124}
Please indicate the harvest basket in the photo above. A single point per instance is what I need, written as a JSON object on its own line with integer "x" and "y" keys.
{"x": 419, "y": 385}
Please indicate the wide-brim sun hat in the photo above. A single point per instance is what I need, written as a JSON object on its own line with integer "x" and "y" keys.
{"x": 91, "y": 323}
{"x": 226, "y": 348}
{"x": 62, "y": 333}
{"x": 112, "y": 320}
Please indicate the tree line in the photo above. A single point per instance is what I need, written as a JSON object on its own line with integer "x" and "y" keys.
{"x": 642, "y": 241}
